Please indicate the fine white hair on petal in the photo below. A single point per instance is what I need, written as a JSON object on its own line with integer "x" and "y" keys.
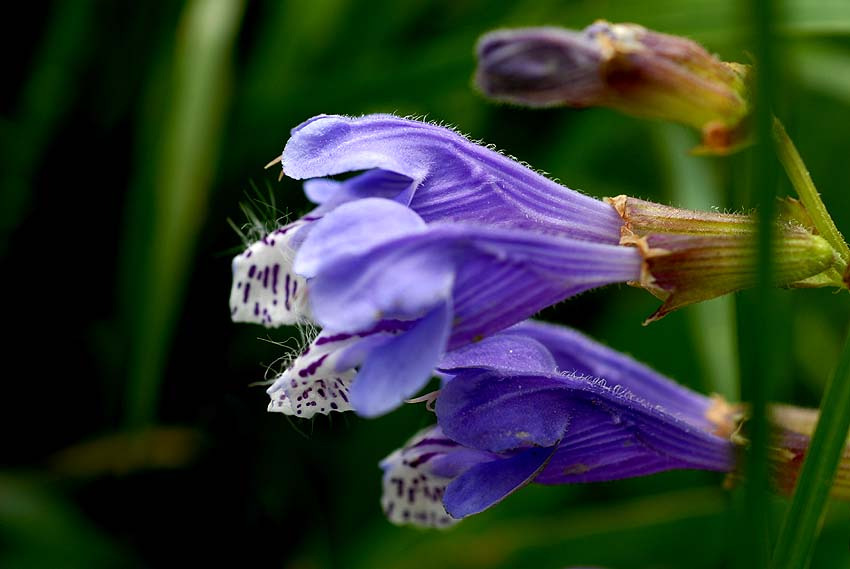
{"x": 265, "y": 290}
{"x": 313, "y": 384}
{"x": 412, "y": 495}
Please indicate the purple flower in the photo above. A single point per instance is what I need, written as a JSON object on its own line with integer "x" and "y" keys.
{"x": 436, "y": 172}
{"x": 528, "y": 405}
{"x": 418, "y": 477}
{"x": 399, "y": 293}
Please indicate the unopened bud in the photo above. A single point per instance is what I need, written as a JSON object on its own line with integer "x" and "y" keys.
{"x": 623, "y": 66}
{"x": 792, "y": 432}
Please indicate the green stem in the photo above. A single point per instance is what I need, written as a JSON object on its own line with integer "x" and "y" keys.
{"x": 803, "y": 520}
{"x": 802, "y": 182}
{"x": 761, "y": 319}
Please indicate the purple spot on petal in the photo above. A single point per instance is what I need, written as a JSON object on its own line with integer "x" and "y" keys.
{"x": 424, "y": 457}
{"x": 334, "y": 338}
{"x": 311, "y": 369}
{"x": 245, "y": 293}
{"x": 286, "y": 287}
{"x": 275, "y": 274}
{"x": 251, "y": 271}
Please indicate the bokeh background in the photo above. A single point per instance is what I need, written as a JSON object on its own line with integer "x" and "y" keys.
{"x": 132, "y": 132}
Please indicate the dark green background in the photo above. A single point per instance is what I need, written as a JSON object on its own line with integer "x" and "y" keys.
{"x": 130, "y": 134}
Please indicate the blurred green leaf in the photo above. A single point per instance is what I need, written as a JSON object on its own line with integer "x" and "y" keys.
{"x": 664, "y": 527}
{"x": 185, "y": 161}
{"x": 38, "y": 528}
{"x": 823, "y": 68}
{"x": 45, "y": 97}
{"x": 122, "y": 453}
{"x": 693, "y": 185}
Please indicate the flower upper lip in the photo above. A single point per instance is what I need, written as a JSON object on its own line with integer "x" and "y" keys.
{"x": 451, "y": 178}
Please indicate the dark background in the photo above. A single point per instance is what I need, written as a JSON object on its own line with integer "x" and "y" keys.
{"x": 130, "y": 134}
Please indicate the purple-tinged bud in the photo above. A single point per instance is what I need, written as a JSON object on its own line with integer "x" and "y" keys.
{"x": 691, "y": 256}
{"x": 622, "y": 66}
{"x": 540, "y": 67}
{"x": 792, "y": 431}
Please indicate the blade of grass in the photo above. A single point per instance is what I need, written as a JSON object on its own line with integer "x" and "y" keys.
{"x": 183, "y": 169}
{"x": 808, "y": 506}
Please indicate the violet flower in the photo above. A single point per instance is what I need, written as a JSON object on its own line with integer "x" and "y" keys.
{"x": 394, "y": 294}
{"x": 541, "y": 403}
{"x": 436, "y": 172}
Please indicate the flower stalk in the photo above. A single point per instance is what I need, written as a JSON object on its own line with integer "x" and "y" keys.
{"x": 805, "y": 187}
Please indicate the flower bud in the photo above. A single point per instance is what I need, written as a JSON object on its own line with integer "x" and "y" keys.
{"x": 792, "y": 431}
{"x": 691, "y": 256}
{"x": 623, "y": 66}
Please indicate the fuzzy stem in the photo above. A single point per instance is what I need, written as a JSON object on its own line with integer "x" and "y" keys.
{"x": 802, "y": 182}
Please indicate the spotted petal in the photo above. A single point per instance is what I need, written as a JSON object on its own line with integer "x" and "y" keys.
{"x": 265, "y": 289}
{"x": 416, "y": 476}
{"x": 316, "y": 381}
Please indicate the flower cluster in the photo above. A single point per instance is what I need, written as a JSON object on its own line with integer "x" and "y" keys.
{"x": 429, "y": 260}
{"x": 440, "y": 242}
